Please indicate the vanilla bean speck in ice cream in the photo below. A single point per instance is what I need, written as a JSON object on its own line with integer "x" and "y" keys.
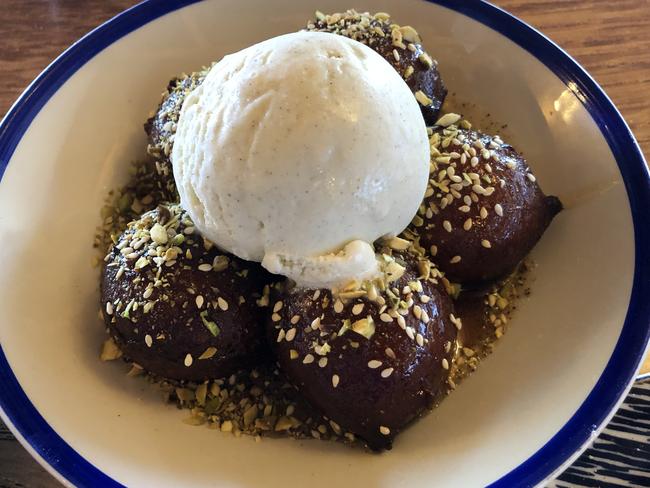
{"x": 299, "y": 152}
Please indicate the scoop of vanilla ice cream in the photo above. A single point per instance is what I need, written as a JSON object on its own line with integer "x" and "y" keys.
{"x": 299, "y": 152}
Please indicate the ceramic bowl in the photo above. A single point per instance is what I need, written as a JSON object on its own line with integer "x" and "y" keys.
{"x": 556, "y": 377}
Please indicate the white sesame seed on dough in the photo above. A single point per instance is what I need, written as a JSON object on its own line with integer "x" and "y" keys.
{"x": 290, "y": 335}
{"x": 385, "y": 373}
{"x": 308, "y": 359}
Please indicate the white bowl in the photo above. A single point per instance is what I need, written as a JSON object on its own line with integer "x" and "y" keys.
{"x": 554, "y": 380}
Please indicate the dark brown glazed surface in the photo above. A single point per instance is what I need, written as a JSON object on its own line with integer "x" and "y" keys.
{"x": 194, "y": 309}
{"x": 403, "y": 51}
{"x": 494, "y": 244}
{"x": 332, "y": 366}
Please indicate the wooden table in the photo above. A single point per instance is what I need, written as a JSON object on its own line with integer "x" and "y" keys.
{"x": 610, "y": 38}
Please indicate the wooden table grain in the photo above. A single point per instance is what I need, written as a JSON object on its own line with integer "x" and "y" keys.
{"x": 611, "y": 39}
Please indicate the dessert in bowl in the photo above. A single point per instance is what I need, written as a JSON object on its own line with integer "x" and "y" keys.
{"x": 309, "y": 154}
{"x": 509, "y": 379}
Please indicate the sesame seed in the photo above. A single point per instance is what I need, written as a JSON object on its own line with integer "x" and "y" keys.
{"x": 384, "y": 317}
{"x": 396, "y": 55}
{"x": 384, "y": 430}
{"x": 374, "y": 364}
{"x": 338, "y": 306}
{"x": 486, "y": 244}
{"x": 410, "y": 332}
{"x": 390, "y": 353}
{"x": 498, "y": 209}
{"x": 295, "y": 319}
{"x": 425, "y": 298}
{"x": 335, "y": 380}
{"x": 109, "y": 308}
{"x": 281, "y": 335}
{"x": 417, "y": 311}
{"x": 188, "y": 360}
{"x": 223, "y": 304}
{"x": 456, "y": 321}
{"x": 409, "y": 69}
{"x": 464, "y": 208}
{"x": 385, "y": 373}
{"x": 419, "y": 339}
{"x": 275, "y": 317}
{"x": 357, "y": 309}
{"x": 456, "y": 259}
{"x": 315, "y": 324}
{"x": 467, "y": 225}
{"x": 309, "y": 358}
{"x": 316, "y": 295}
{"x": 531, "y": 177}
{"x": 278, "y": 306}
{"x": 290, "y": 335}
{"x": 483, "y": 213}
{"x": 424, "y": 317}
{"x": 401, "y": 322}
{"x": 322, "y": 362}
{"x": 445, "y": 363}
{"x": 148, "y": 340}
{"x": 205, "y": 267}
{"x": 293, "y": 354}
{"x": 446, "y": 225}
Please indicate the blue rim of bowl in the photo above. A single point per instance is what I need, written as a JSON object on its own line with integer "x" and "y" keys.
{"x": 61, "y": 459}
